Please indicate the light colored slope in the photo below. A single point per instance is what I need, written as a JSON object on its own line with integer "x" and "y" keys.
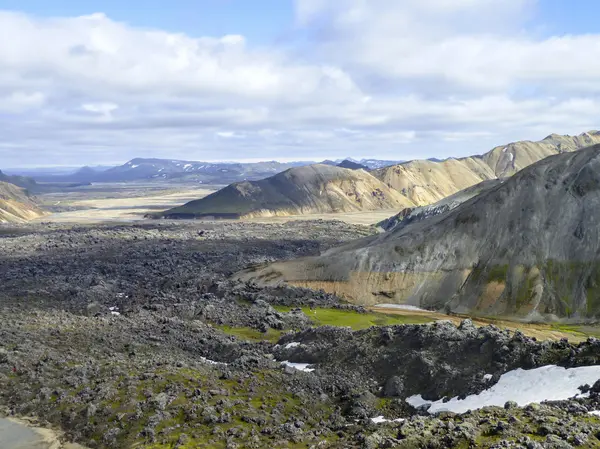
{"x": 426, "y": 182}
{"x": 16, "y": 206}
{"x": 315, "y": 189}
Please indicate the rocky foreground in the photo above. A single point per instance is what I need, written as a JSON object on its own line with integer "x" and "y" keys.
{"x": 127, "y": 335}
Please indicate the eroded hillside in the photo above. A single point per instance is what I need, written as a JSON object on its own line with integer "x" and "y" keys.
{"x": 16, "y": 205}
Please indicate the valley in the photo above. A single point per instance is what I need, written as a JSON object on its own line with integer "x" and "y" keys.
{"x": 316, "y": 308}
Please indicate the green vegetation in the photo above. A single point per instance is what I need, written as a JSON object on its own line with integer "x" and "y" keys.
{"x": 356, "y": 320}
{"x": 249, "y": 334}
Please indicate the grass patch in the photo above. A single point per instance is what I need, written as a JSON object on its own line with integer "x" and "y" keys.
{"x": 356, "y": 320}
{"x": 249, "y": 334}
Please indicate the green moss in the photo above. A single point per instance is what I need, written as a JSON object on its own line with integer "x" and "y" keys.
{"x": 356, "y": 320}
{"x": 247, "y": 333}
{"x": 498, "y": 273}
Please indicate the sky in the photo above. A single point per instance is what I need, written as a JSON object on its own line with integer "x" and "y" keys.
{"x": 102, "y": 82}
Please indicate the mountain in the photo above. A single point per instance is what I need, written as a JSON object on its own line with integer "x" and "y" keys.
{"x": 302, "y": 190}
{"x": 412, "y": 214}
{"x": 20, "y": 181}
{"x": 16, "y": 205}
{"x": 376, "y": 163}
{"x": 346, "y": 163}
{"x": 527, "y": 247}
{"x": 428, "y": 181}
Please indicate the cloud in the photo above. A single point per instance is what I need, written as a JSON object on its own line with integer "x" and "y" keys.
{"x": 388, "y": 78}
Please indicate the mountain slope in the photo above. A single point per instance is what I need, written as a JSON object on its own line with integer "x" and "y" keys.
{"x": 301, "y": 190}
{"x": 527, "y": 247}
{"x": 412, "y": 214}
{"x": 426, "y": 181}
{"x": 16, "y": 205}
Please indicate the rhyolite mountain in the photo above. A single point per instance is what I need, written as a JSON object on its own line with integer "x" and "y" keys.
{"x": 527, "y": 247}
{"x": 425, "y": 182}
{"x": 301, "y": 190}
{"x": 16, "y": 204}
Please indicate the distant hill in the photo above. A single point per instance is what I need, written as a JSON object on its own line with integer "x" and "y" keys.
{"x": 21, "y": 181}
{"x": 427, "y": 181}
{"x": 352, "y": 165}
{"x": 16, "y": 205}
{"x": 526, "y": 247}
{"x": 316, "y": 188}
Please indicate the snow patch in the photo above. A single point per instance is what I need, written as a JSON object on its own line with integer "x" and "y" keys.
{"x": 381, "y": 419}
{"x": 211, "y": 362}
{"x": 595, "y": 412}
{"x": 511, "y": 157}
{"x": 134, "y": 166}
{"x": 402, "y": 307}
{"x": 186, "y": 166}
{"x": 487, "y": 377}
{"x": 299, "y": 366}
{"x": 294, "y": 344}
{"x": 548, "y": 383}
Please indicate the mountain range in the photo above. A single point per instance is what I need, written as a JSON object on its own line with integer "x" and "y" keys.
{"x": 419, "y": 183}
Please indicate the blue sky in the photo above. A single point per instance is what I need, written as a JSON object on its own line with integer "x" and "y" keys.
{"x": 262, "y": 21}
{"x": 102, "y": 82}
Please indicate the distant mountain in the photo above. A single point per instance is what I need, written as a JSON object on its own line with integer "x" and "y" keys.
{"x": 144, "y": 169}
{"x": 20, "y": 181}
{"x": 316, "y": 188}
{"x": 376, "y": 163}
{"x": 425, "y": 182}
{"x": 16, "y": 204}
{"x": 346, "y": 163}
{"x": 526, "y": 247}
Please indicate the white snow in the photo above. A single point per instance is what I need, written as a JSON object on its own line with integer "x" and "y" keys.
{"x": 381, "y": 419}
{"x": 401, "y": 307}
{"x": 211, "y": 362}
{"x": 186, "y": 166}
{"x": 504, "y": 150}
{"x": 487, "y": 377}
{"x": 548, "y": 383}
{"x": 293, "y": 344}
{"x": 134, "y": 166}
{"x": 511, "y": 157}
{"x": 299, "y": 366}
{"x": 595, "y": 412}
{"x": 114, "y": 311}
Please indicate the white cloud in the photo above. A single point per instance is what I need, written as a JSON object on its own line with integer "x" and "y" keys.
{"x": 388, "y": 78}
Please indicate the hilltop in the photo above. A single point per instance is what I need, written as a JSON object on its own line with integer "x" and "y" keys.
{"x": 302, "y": 190}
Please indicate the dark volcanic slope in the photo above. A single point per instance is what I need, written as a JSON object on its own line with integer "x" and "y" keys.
{"x": 526, "y": 247}
{"x": 313, "y": 189}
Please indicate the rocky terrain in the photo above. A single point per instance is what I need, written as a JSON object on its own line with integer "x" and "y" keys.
{"x": 16, "y": 204}
{"x": 425, "y": 182}
{"x": 312, "y": 189}
{"x": 527, "y": 247}
{"x": 135, "y": 335}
